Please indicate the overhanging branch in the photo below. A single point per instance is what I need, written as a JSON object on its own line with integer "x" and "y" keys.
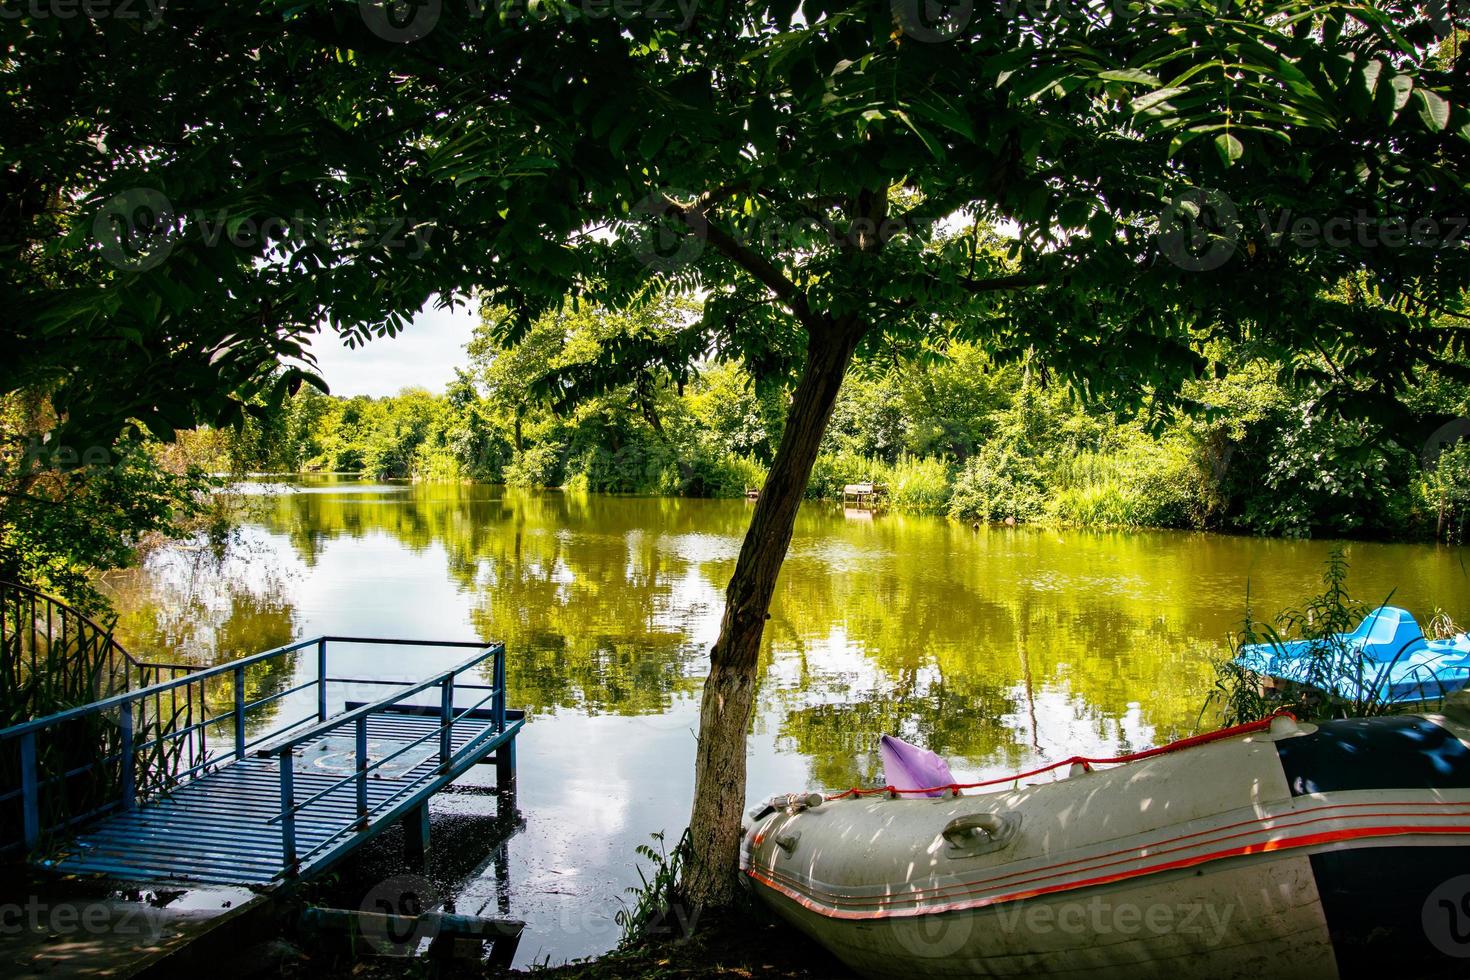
{"x": 758, "y": 266}
{"x": 1001, "y": 283}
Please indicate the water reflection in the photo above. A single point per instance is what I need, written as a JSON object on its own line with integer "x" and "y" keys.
{"x": 998, "y": 648}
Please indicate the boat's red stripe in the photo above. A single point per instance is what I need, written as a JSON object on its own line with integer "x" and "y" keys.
{"x": 1095, "y": 862}
{"x": 1306, "y": 840}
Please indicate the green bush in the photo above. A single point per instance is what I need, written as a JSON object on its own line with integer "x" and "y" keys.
{"x": 1142, "y": 484}
{"x": 732, "y": 475}
{"x": 536, "y": 466}
{"x": 1444, "y": 490}
{"x": 636, "y": 467}
{"x": 833, "y": 471}
{"x": 707, "y": 473}
{"x": 996, "y": 485}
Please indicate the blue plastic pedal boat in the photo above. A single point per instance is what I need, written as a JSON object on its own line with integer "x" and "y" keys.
{"x": 1386, "y": 659}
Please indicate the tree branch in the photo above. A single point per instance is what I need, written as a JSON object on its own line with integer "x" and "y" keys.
{"x": 697, "y": 218}
{"x": 1018, "y": 281}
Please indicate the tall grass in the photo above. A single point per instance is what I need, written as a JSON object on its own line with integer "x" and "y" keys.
{"x": 917, "y": 484}
{"x": 1142, "y": 484}
{"x": 656, "y": 909}
{"x": 1240, "y": 694}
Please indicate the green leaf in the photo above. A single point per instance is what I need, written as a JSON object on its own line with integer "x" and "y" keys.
{"x": 1392, "y": 96}
{"x": 1130, "y": 75}
{"x": 1434, "y": 110}
{"x": 1145, "y": 103}
{"x": 1229, "y": 148}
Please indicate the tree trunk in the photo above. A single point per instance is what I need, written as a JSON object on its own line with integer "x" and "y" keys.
{"x": 729, "y": 692}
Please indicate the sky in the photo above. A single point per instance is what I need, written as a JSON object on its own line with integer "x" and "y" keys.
{"x": 424, "y": 356}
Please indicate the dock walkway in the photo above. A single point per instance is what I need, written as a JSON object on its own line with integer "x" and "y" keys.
{"x": 195, "y": 780}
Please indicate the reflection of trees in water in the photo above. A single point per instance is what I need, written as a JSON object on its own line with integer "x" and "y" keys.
{"x": 594, "y": 610}
{"x": 191, "y": 606}
{"x": 925, "y": 631}
{"x": 962, "y": 718}
{"x": 987, "y": 646}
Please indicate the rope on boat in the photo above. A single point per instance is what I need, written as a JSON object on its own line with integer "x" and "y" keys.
{"x": 1078, "y": 760}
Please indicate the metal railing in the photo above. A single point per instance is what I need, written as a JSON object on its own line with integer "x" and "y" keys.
{"x": 158, "y": 736}
{"x": 447, "y": 684}
{"x": 51, "y": 652}
{"x": 54, "y": 657}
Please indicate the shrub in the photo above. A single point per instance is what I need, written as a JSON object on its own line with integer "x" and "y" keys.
{"x": 1142, "y": 484}
{"x": 732, "y": 475}
{"x": 997, "y": 484}
{"x": 536, "y": 466}
{"x": 636, "y": 467}
{"x": 1445, "y": 490}
{"x": 833, "y": 471}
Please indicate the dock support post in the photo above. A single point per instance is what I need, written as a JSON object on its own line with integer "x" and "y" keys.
{"x": 416, "y": 835}
{"x": 505, "y": 768}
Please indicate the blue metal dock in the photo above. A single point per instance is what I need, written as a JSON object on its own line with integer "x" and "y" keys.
{"x": 196, "y": 779}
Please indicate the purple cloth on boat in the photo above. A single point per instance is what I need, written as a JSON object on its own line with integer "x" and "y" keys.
{"x": 907, "y": 766}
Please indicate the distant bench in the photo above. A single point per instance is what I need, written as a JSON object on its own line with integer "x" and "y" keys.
{"x": 861, "y": 492}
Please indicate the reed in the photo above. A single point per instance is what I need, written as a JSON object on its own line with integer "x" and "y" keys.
{"x": 1239, "y": 694}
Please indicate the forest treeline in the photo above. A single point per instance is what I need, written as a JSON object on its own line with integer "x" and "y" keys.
{"x": 944, "y": 429}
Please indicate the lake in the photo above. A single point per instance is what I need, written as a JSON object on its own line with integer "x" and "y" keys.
{"x": 1000, "y": 648}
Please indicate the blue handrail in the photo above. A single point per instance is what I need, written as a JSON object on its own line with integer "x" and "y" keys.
{"x": 199, "y": 759}
{"x": 358, "y": 718}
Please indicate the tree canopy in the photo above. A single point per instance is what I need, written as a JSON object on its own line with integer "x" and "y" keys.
{"x": 188, "y": 198}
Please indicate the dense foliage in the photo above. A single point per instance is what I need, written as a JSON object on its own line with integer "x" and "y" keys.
{"x": 168, "y": 235}
{"x": 952, "y": 433}
{"x": 66, "y": 516}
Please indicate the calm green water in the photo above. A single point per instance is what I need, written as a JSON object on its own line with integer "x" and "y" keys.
{"x": 998, "y": 648}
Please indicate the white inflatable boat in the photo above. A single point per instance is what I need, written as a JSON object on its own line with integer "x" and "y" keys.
{"x": 1272, "y": 850}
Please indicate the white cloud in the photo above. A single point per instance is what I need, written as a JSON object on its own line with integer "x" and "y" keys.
{"x": 422, "y": 356}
